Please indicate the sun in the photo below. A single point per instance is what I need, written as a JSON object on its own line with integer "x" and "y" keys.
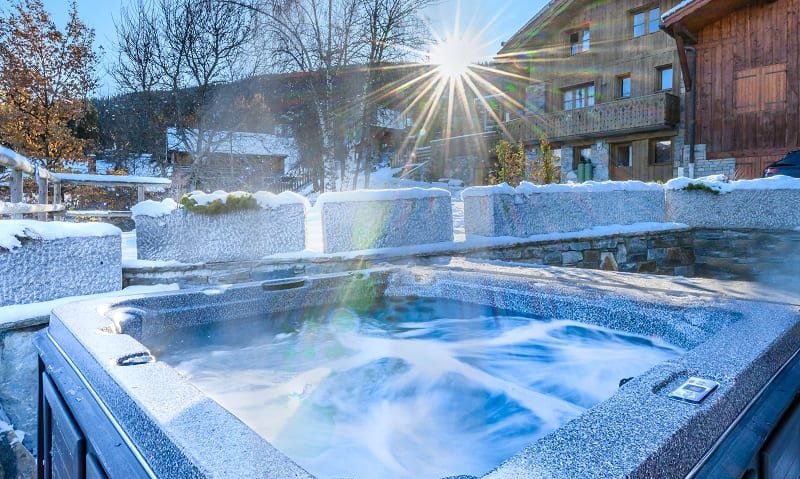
{"x": 454, "y": 56}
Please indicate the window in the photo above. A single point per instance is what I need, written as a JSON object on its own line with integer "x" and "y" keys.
{"x": 662, "y": 152}
{"x": 624, "y": 86}
{"x": 579, "y": 41}
{"x": 646, "y": 21}
{"x": 664, "y": 78}
{"x": 580, "y": 96}
{"x": 623, "y": 157}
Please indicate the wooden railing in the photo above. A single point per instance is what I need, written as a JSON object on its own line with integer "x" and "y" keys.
{"x": 295, "y": 180}
{"x": 631, "y": 115}
{"x": 20, "y": 166}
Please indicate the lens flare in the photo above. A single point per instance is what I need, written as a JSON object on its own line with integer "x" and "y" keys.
{"x": 453, "y": 57}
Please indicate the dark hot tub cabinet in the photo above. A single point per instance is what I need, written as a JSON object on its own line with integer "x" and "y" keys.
{"x": 107, "y": 409}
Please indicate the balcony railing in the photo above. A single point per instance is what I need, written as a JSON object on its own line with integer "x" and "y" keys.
{"x": 631, "y": 115}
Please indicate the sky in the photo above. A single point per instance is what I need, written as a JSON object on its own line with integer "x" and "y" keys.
{"x": 500, "y": 19}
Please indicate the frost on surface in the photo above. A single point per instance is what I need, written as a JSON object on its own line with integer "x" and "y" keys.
{"x": 12, "y": 231}
{"x": 526, "y": 188}
{"x": 721, "y": 184}
{"x": 217, "y": 201}
{"x": 382, "y": 195}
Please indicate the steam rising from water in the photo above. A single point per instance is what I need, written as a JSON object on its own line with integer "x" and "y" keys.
{"x": 411, "y": 388}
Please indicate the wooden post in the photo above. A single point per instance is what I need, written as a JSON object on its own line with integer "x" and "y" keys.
{"x": 57, "y": 198}
{"x": 16, "y": 189}
{"x": 140, "y": 193}
{"x": 41, "y": 185}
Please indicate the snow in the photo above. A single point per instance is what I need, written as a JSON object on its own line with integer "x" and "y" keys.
{"x": 720, "y": 183}
{"x": 382, "y": 195}
{"x": 672, "y": 11}
{"x": 84, "y": 178}
{"x": 11, "y": 231}
{"x": 155, "y": 209}
{"x": 265, "y": 200}
{"x": 527, "y": 188}
{"x": 22, "y": 312}
{"x": 270, "y": 200}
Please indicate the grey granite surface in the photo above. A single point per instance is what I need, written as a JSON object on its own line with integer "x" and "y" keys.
{"x": 523, "y": 215}
{"x": 41, "y": 270}
{"x": 756, "y": 209}
{"x": 360, "y": 225}
{"x": 239, "y": 235}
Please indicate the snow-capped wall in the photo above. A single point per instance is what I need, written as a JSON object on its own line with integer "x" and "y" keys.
{"x": 530, "y": 209}
{"x": 43, "y": 261}
{"x": 167, "y": 232}
{"x": 369, "y": 219}
{"x": 767, "y": 203}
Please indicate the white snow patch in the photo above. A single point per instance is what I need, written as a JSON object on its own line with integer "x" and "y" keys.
{"x": 4, "y": 426}
{"x": 672, "y": 11}
{"x": 81, "y": 177}
{"x": 264, "y": 199}
{"x": 526, "y": 188}
{"x": 11, "y": 231}
{"x": 21, "y": 312}
{"x": 720, "y": 183}
{"x": 270, "y": 200}
{"x": 381, "y": 195}
{"x": 155, "y": 209}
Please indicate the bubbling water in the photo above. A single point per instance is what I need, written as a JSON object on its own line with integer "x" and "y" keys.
{"x": 411, "y": 388}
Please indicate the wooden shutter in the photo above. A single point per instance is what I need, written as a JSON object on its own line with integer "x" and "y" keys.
{"x": 747, "y": 90}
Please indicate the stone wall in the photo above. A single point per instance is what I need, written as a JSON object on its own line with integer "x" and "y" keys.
{"x": 661, "y": 252}
{"x": 385, "y": 219}
{"x": 233, "y": 236}
{"x": 505, "y": 212}
{"x": 41, "y": 270}
{"x": 18, "y": 381}
{"x": 665, "y": 253}
{"x": 762, "y": 256}
{"x": 768, "y": 209}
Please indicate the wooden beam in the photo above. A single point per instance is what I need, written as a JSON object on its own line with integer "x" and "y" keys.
{"x": 688, "y": 81}
{"x": 41, "y": 185}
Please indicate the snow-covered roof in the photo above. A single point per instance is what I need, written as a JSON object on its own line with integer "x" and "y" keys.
{"x": 234, "y": 142}
{"x": 79, "y": 178}
{"x": 672, "y": 11}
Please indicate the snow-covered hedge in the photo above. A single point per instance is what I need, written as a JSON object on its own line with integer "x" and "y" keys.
{"x": 712, "y": 202}
{"x": 529, "y": 209}
{"x": 220, "y": 226}
{"x": 43, "y": 261}
{"x": 369, "y": 219}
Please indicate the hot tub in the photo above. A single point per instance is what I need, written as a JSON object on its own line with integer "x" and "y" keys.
{"x": 436, "y": 371}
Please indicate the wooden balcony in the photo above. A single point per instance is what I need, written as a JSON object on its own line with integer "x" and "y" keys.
{"x": 659, "y": 111}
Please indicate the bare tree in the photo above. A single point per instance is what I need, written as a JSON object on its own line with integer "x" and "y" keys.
{"x": 187, "y": 48}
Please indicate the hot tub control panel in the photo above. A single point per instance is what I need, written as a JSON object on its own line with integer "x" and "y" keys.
{"x": 694, "y": 390}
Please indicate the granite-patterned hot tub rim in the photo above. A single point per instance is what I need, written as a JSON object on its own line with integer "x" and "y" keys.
{"x": 639, "y": 432}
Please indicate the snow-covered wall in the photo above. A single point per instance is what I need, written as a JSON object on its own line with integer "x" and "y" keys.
{"x": 529, "y": 209}
{"x": 767, "y": 204}
{"x": 166, "y": 232}
{"x": 43, "y": 261}
{"x": 369, "y": 219}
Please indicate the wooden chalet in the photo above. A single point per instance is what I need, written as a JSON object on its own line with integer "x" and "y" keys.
{"x": 741, "y": 59}
{"x": 603, "y": 85}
